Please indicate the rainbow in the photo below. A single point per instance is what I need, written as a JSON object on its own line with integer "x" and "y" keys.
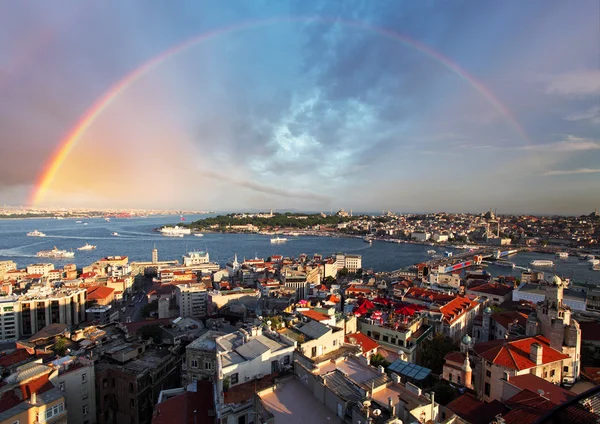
{"x": 66, "y": 145}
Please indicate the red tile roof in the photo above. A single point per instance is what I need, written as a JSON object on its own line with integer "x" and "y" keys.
{"x": 187, "y": 408}
{"x": 491, "y": 289}
{"x": 526, "y": 408}
{"x": 474, "y": 411}
{"x": 506, "y": 318}
{"x": 333, "y": 298}
{"x": 592, "y": 374}
{"x": 367, "y": 343}
{"x": 456, "y": 357}
{"x": 99, "y": 292}
{"x": 14, "y": 358}
{"x": 514, "y": 354}
{"x": 317, "y": 316}
{"x": 456, "y": 308}
{"x": 540, "y": 386}
{"x": 427, "y": 295}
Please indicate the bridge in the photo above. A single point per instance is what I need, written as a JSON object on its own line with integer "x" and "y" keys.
{"x": 462, "y": 260}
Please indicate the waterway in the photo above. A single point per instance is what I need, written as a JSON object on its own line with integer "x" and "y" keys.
{"x": 137, "y": 238}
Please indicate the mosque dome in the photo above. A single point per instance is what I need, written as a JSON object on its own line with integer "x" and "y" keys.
{"x": 467, "y": 339}
{"x": 487, "y": 310}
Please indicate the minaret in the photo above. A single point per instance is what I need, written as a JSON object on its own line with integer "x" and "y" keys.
{"x": 467, "y": 373}
{"x": 350, "y": 212}
{"x": 154, "y": 255}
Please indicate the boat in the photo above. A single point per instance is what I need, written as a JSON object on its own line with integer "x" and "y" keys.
{"x": 541, "y": 262}
{"x": 176, "y": 230}
{"x": 278, "y": 240}
{"x": 505, "y": 263}
{"x": 87, "y": 246}
{"x": 431, "y": 252}
{"x": 107, "y": 219}
{"x": 199, "y": 234}
{"x": 85, "y": 223}
{"x": 594, "y": 261}
{"x": 78, "y": 222}
{"x": 562, "y": 255}
{"x": 172, "y": 235}
{"x": 55, "y": 253}
{"x": 115, "y": 234}
{"x": 368, "y": 239}
{"x": 36, "y": 233}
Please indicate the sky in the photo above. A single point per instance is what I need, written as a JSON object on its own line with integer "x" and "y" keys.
{"x": 457, "y": 106}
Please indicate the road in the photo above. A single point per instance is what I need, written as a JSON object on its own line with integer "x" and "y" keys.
{"x": 133, "y": 306}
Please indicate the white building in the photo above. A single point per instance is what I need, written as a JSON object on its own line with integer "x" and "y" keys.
{"x": 351, "y": 262}
{"x": 439, "y": 238}
{"x": 9, "y": 330}
{"x": 6, "y": 266}
{"x": 195, "y": 258}
{"x": 192, "y": 300}
{"x": 420, "y": 235}
{"x": 535, "y": 293}
{"x": 76, "y": 378}
{"x": 40, "y": 269}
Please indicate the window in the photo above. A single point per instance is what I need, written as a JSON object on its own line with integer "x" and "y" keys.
{"x": 286, "y": 360}
{"x": 16, "y": 422}
{"x": 488, "y": 373}
{"x": 458, "y": 379}
{"x": 487, "y": 389}
{"x": 545, "y": 374}
{"x": 194, "y": 363}
{"x": 84, "y": 378}
{"x": 61, "y": 386}
{"x": 208, "y": 365}
{"x": 130, "y": 387}
{"x": 552, "y": 373}
{"x": 566, "y": 369}
{"x": 234, "y": 378}
{"x": 450, "y": 378}
{"x": 54, "y": 411}
{"x": 86, "y": 409}
{"x": 84, "y": 393}
{"x": 335, "y": 342}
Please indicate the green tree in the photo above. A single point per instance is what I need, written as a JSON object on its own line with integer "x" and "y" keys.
{"x": 444, "y": 393}
{"x": 149, "y": 308}
{"x": 151, "y": 331}
{"x": 434, "y": 350}
{"x": 60, "y": 346}
{"x": 378, "y": 359}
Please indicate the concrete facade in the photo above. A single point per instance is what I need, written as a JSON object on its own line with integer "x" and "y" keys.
{"x": 76, "y": 379}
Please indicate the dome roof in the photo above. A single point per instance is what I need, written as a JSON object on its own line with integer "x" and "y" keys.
{"x": 467, "y": 339}
{"x": 556, "y": 281}
{"x": 487, "y": 310}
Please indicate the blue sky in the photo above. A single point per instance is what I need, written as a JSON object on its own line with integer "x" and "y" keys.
{"x": 305, "y": 111}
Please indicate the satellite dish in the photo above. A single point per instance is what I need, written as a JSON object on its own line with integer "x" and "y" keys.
{"x": 269, "y": 322}
{"x": 260, "y": 318}
{"x": 377, "y": 412}
{"x": 366, "y": 403}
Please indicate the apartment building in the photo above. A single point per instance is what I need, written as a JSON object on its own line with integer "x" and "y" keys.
{"x": 6, "y": 266}
{"x": 192, "y": 300}
{"x": 351, "y": 262}
{"x": 75, "y": 378}
{"x": 43, "y": 306}
{"x": 9, "y": 324}
{"x": 41, "y": 268}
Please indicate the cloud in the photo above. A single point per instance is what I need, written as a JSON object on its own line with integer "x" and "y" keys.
{"x": 578, "y": 83}
{"x": 573, "y": 171}
{"x": 592, "y": 115}
{"x": 570, "y": 144}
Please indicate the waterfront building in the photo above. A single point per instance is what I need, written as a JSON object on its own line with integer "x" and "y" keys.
{"x": 76, "y": 378}
{"x": 41, "y": 268}
{"x": 192, "y": 300}
{"x": 43, "y": 306}
{"x": 196, "y": 258}
{"x": 351, "y": 262}
{"x": 420, "y": 236}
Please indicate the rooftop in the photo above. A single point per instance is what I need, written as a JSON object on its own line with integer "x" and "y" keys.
{"x": 526, "y": 408}
{"x": 365, "y": 342}
{"x": 456, "y": 308}
{"x": 537, "y": 385}
{"x": 190, "y": 407}
{"x": 474, "y": 411}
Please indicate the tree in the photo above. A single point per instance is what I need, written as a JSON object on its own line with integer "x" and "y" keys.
{"x": 60, "y": 346}
{"x": 151, "y": 331}
{"x": 434, "y": 350}
{"x": 379, "y": 359}
{"x": 149, "y": 308}
{"x": 444, "y": 393}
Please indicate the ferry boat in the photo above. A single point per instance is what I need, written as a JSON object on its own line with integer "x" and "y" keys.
{"x": 541, "y": 262}
{"x": 107, "y": 219}
{"x": 115, "y": 234}
{"x": 55, "y": 253}
{"x": 199, "y": 234}
{"x": 278, "y": 240}
{"x": 175, "y": 230}
{"x": 36, "y": 233}
{"x": 87, "y": 246}
{"x": 594, "y": 261}
{"x": 431, "y": 252}
{"x": 562, "y": 255}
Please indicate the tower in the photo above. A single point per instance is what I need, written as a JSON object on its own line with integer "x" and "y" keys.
{"x": 467, "y": 372}
{"x": 154, "y": 255}
{"x": 485, "y": 324}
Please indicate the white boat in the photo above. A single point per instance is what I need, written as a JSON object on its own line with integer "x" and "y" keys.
{"x": 36, "y": 233}
{"x": 107, "y": 219}
{"x": 87, "y": 246}
{"x": 199, "y": 234}
{"x": 541, "y": 262}
{"x": 85, "y": 223}
{"x": 594, "y": 261}
{"x": 278, "y": 240}
{"x": 431, "y": 252}
{"x": 176, "y": 230}
{"x": 78, "y": 222}
{"x": 562, "y": 255}
{"x": 115, "y": 234}
{"x": 172, "y": 235}
{"x": 55, "y": 253}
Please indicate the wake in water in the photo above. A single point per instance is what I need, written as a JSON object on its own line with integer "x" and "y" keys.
{"x": 16, "y": 252}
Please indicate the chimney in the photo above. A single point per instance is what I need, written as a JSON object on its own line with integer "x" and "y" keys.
{"x": 536, "y": 353}
{"x": 381, "y": 369}
{"x": 392, "y": 407}
{"x": 33, "y": 398}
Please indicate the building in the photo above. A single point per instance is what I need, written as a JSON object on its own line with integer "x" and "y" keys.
{"x": 457, "y": 317}
{"x": 351, "y": 262}
{"x": 76, "y": 380}
{"x": 491, "y": 292}
{"x": 100, "y": 295}
{"x": 194, "y": 405}
{"x": 42, "y": 269}
{"x": 102, "y": 314}
{"x": 192, "y": 300}
{"x": 501, "y": 325}
{"x": 440, "y": 238}
{"x": 43, "y": 306}
{"x": 196, "y": 258}
{"x": 367, "y": 345}
{"x": 28, "y": 396}
{"x": 296, "y": 280}
{"x": 201, "y": 358}
{"x": 420, "y": 236}
{"x": 535, "y": 293}
{"x": 9, "y": 329}
{"x": 315, "y": 339}
{"x": 6, "y": 266}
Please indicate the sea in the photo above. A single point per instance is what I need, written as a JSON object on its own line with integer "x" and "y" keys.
{"x": 137, "y": 237}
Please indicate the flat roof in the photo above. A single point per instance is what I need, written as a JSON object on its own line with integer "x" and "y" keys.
{"x": 293, "y": 403}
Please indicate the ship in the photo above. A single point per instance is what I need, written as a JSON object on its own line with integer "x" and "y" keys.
{"x": 431, "y": 252}
{"x": 368, "y": 239}
{"x": 278, "y": 240}
{"x": 115, "y": 234}
{"x": 541, "y": 262}
{"x": 199, "y": 234}
{"x": 175, "y": 231}
{"x": 172, "y": 235}
{"x": 107, "y": 219}
{"x": 55, "y": 253}
{"x": 562, "y": 255}
{"x": 87, "y": 246}
{"x": 36, "y": 233}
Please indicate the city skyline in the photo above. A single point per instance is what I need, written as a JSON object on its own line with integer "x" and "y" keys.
{"x": 445, "y": 106}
